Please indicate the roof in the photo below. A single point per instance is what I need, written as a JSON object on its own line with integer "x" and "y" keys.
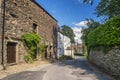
{"x": 44, "y": 9}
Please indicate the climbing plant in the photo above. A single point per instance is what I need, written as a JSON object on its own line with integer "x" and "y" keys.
{"x": 41, "y": 50}
{"x": 31, "y": 42}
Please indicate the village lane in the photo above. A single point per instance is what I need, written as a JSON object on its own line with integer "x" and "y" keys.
{"x": 77, "y": 69}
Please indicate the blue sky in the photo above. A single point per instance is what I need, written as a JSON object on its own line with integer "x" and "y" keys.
{"x": 69, "y": 12}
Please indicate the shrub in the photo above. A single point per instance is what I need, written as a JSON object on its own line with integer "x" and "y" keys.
{"x": 78, "y": 54}
{"x": 28, "y": 58}
{"x": 106, "y": 35}
{"x": 41, "y": 50}
{"x": 31, "y": 42}
{"x": 65, "y": 57}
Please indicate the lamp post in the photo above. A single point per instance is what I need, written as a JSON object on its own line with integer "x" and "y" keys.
{"x": 3, "y": 29}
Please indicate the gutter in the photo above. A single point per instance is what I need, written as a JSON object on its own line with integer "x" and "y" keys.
{"x": 3, "y": 35}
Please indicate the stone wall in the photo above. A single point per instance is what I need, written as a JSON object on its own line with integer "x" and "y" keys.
{"x": 109, "y": 61}
{"x": 27, "y": 16}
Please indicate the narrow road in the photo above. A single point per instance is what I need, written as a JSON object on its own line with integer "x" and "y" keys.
{"x": 77, "y": 69}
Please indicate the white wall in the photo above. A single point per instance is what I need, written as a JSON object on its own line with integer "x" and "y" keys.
{"x": 63, "y": 43}
{"x": 69, "y": 53}
{"x": 66, "y": 42}
{"x": 60, "y": 46}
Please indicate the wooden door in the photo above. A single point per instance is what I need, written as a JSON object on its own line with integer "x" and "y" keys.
{"x": 11, "y": 52}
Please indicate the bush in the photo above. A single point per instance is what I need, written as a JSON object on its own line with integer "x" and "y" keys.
{"x": 41, "y": 50}
{"x": 65, "y": 57}
{"x": 78, "y": 54}
{"x": 107, "y": 34}
{"x": 28, "y": 58}
{"x": 31, "y": 42}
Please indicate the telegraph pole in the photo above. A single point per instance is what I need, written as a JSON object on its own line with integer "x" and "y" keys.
{"x": 3, "y": 36}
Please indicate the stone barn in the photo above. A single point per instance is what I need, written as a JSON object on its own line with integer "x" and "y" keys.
{"x": 23, "y": 16}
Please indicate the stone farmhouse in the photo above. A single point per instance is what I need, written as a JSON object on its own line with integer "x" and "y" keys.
{"x": 78, "y": 48}
{"x": 23, "y": 16}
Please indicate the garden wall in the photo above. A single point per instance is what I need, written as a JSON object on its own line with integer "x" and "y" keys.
{"x": 109, "y": 61}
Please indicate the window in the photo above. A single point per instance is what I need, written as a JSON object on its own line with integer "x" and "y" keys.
{"x": 34, "y": 27}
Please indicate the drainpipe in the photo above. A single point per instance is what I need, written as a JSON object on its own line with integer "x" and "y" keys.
{"x": 3, "y": 29}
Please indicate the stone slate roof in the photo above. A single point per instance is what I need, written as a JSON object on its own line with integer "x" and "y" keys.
{"x": 44, "y": 10}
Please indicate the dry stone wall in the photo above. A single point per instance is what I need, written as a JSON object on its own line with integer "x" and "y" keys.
{"x": 28, "y": 16}
{"x": 109, "y": 61}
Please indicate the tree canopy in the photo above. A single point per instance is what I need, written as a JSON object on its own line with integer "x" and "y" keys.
{"x": 88, "y": 1}
{"x": 108, "y": 8}
{"x": 106, "y": 34}
{"x": 67, "y": 31}
{"x": 91, "y": 26}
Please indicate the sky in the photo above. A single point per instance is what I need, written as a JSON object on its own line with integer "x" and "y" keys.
{"x": 70, "y": 12}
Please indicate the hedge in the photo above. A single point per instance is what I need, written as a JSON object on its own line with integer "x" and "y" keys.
{"x": 107, "y": 34}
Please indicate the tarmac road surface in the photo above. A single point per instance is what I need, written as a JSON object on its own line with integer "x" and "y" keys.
{"x": 77, "y": 69}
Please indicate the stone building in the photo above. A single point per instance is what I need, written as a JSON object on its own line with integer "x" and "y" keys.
{"x": 78, "y": 48}
{"x": 26, "y": 16}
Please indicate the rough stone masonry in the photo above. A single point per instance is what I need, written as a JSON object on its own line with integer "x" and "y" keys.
{"x": 109, "y": 61}
{"x": 26, "y": 16}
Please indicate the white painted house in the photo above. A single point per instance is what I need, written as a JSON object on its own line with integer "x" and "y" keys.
{"x": 64, "y": 45}
{"x": 60, "y": 47}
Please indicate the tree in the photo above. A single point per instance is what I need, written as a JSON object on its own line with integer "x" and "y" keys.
{"x": 91, "y": 26}
{"x": 108, "y": 8}
{"x": 88, "y": 1}
{"x": 85, "y": 32}
{"x": 67, "y": 31}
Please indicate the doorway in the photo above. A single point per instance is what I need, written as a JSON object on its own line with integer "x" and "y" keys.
{"x": 11, "y": 52}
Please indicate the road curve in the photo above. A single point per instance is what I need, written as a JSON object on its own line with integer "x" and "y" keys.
{"x": 77, "y": 69}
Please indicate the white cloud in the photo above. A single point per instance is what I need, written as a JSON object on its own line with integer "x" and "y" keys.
{"x": 77, "y": 30}
{"x": 78, "y": 34}
{"x": 81, "y": 24}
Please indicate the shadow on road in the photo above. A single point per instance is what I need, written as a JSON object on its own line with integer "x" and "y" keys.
{"x": 83, "y": 69}
{"x": 80, "y": 68}
{"x": 26, "y": 75}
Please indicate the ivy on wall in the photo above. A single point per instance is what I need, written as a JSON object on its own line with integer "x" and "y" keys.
{"x": 31, "y": 42}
